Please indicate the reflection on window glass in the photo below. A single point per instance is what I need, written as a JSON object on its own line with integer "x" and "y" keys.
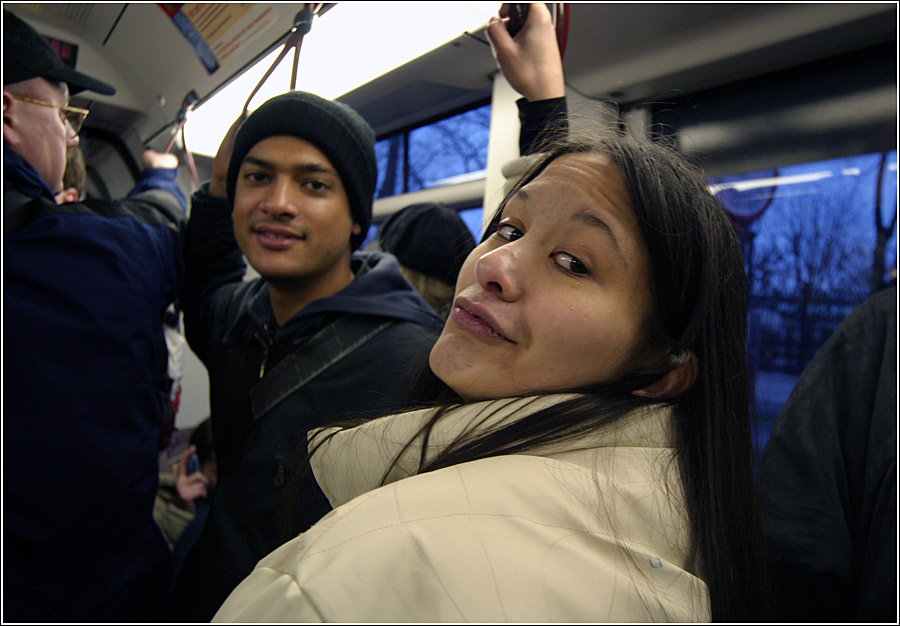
{"x": 442, "y": 152}
{"x": 819, "y": 239}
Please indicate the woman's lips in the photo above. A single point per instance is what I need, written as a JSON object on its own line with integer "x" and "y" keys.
{"x": 477, "y": 322}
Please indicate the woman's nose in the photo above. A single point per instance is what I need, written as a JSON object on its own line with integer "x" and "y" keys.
{"x": 500, "y": 271}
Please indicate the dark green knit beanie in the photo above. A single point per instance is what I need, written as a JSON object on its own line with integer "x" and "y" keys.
{"x": 334, "y": 128}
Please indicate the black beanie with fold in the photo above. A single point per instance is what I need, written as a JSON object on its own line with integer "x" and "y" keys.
{"x": 334, "y": 128}
{"x": 429, "y": 238}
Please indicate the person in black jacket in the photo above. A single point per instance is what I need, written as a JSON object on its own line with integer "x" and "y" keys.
{"x": 323, "y": 334}
{"x": 828, "y": 480}
{"x": 86, "y": 285}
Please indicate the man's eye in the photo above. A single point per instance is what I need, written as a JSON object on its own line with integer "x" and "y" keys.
{"x": 255, "y": 177}
{"x": 316, "y": 185}
{"x": 509, "y": 232}
{"x": 570, "y": 264}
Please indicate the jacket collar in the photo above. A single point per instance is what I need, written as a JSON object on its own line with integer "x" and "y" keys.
{"x": 378, "y": 288}
{"x": 23, "y": 176}
{"x": 354, "y": 461}
{"x": 259, "y": 307}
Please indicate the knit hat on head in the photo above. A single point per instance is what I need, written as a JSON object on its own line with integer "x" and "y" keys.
{"x": 334, "y": 128}
{"x": 429, "y": 238}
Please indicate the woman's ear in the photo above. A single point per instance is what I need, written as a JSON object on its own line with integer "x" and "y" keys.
{"x": 675, "y": 383}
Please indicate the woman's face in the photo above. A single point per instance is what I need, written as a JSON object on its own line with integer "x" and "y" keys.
{"x": 558, "y": 297}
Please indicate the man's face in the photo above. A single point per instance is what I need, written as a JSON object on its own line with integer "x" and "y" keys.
{"x": 37, "y": 132}
{"x": 292, "y": 217}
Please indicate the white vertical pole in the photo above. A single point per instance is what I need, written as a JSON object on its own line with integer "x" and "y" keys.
{"x": 503, "y": 143}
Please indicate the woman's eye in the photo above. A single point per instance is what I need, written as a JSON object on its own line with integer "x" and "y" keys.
{"x": 508, "y": 232}
{"x": 570, "y": 264}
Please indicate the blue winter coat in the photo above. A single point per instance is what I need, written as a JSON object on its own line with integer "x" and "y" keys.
{"x": 85, "y": 288}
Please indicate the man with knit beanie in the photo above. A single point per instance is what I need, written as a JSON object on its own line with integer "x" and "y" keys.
{"x": 325, "y": 333}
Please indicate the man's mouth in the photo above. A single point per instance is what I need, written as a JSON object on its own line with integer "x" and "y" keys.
{"x": 275, "y": 238}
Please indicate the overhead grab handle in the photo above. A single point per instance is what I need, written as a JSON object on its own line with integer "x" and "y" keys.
{"x": 302, "y": 26}
{"x": 186, "y": 105}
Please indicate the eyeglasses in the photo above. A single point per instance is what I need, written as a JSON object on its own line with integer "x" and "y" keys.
{"x": 73, "y": 116}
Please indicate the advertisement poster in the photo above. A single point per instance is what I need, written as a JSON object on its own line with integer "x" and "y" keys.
{"x": 217, "y": 31}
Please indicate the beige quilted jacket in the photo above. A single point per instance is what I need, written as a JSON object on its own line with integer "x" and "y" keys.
{"x": 589, "y": 531}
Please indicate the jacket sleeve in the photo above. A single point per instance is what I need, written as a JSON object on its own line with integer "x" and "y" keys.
{"x": 163, "y": 179}
{"x": 214, "y": 271}
{"x": 541, "y": 121}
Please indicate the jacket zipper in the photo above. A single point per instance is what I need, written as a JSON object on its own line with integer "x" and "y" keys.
{"x": 262, "y": 366}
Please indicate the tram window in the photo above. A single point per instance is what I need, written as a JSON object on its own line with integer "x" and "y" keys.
{"x": 474, "y": 219}
{"x": 390, "y": 154}
{"x": 819, "y": 238}
{"x": 448, "y": 151}
{"x": 442, "y": 152}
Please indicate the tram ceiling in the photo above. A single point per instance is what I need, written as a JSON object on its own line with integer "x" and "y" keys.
{"x": 626, "y": 52}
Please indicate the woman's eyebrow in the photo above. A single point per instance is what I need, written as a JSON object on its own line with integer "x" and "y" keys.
{"x": 589, "y": 219}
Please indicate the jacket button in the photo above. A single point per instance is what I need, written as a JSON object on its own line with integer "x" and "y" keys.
{"x": 279, "y": 476}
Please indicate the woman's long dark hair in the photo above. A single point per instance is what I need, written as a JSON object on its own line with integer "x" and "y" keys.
{"x": 700, "y": 308}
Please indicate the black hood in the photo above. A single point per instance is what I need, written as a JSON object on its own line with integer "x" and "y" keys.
{"x": 379, "y": 289}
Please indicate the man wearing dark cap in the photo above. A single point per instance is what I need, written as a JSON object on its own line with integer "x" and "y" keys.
{"x": 325, "y": 334}
{"x": 86, "y": 285}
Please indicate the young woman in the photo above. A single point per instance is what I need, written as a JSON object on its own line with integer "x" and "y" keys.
{"x": 596, "y": 462}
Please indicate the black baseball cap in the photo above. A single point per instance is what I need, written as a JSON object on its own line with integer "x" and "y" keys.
{"x": 27, "y": 55}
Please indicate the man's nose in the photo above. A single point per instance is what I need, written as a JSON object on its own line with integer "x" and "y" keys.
{"x": 280, "y": 200}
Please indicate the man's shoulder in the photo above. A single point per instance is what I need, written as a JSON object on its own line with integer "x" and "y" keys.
{"x": 403, "y": 337}
{"x": 412, "y": 331}
{"x": 150, "y": 208}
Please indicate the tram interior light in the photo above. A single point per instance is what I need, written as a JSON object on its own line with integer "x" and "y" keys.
{"x": 756, "y": 183}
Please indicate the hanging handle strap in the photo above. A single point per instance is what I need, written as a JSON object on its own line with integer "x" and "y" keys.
{"x": 302, "y": 25}
{"x": 187, "y": 104}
